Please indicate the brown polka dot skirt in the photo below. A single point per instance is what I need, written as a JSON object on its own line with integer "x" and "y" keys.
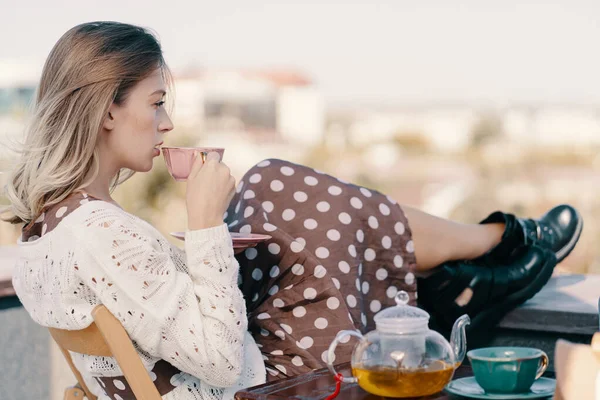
{"x": 339, "y": 253}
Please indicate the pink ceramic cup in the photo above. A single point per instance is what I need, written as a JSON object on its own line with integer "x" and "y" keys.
{"x": 180, "y": 159}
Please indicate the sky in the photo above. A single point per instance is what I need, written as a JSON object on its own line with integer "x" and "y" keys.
{"x": 387, "y": 52}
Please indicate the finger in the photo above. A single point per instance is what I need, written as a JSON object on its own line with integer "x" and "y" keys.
{"x": 197, "y": 164}
{"x": 213, "y": 155}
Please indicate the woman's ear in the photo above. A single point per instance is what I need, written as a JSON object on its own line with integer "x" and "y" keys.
{"x": 109, "y": 120}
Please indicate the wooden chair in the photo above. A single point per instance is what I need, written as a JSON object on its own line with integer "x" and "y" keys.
{"x": 577, "y": 370}
{"x": 105, "y": 337}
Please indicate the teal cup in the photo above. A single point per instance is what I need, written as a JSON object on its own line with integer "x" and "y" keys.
{"x": 506, "y": 370}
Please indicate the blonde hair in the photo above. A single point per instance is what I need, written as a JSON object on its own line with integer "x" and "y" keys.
{"x": 91, "y": 66}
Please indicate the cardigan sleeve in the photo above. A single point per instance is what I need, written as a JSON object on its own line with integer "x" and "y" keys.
{"x": 196, "y": 321}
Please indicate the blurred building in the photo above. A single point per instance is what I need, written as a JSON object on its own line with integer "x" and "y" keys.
{"x": 270, "y": 105}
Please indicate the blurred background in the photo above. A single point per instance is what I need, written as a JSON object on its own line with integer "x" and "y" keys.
{"x": 457, "y": 107}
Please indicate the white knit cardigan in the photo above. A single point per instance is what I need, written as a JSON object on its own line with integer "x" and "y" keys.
{"x": 183, "y": 307}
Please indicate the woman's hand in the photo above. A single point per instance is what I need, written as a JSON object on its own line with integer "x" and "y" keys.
{"x": 210, "y": 188}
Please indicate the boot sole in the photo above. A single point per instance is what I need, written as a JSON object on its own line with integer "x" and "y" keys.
{"x": 491, "y": 316}
{"x": 567, "y": 248}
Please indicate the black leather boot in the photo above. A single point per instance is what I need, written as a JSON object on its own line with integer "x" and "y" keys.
{"x": 557, "y": 230}
{"x": 493, "y": 290}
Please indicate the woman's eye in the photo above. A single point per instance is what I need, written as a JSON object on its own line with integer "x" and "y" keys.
{"x": 160, "y": 103}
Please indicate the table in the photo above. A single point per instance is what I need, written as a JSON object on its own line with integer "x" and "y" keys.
{"x": 320, "y": 383}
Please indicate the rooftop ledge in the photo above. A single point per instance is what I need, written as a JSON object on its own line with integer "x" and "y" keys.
{"x": 568, "y": 304}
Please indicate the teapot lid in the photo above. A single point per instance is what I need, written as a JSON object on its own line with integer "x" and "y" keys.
{"x": 401, "y": 317}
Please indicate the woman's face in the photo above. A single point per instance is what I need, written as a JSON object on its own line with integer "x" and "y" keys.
{"x": 136, "y": 128}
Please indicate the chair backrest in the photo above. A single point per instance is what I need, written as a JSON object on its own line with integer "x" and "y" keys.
{"x": 577, "y": 370}
{"x": 106, "y": 337}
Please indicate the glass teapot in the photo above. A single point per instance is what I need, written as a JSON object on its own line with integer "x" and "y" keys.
{"x": 403, "y": 357}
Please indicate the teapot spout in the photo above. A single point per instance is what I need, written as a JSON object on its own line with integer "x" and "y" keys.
{"x": 458, "y": 339}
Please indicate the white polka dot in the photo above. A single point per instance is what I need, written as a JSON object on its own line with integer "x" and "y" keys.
{"x": 234, "y": 223}
{"x": 269, "y": 227}
{"x": 325, "y": 357}
{"x": 277, "y": 353}
{"x": 336, "y": 283}
{"x": 274, "y": 272}
{"x": 321, "y": 323}
{"x": 358, "y": 284}
{"x": 40, "y": 218}
{"x": 264, "y": 163}
{"x": 399, "y": 228}
{"x": 249, "y": 194}
{"x": 299, "y": 312}
{"x": 297, "y": 361}
{"x": 365, "y": 287}
{"x": 255, "y": 178}
{"x": 239, "y": 187}
{"x": 322, "y": 252}
{"x": 286, "y": 328}
{"x": 225, "y": 215}
{"x": 152, "y": 375}
{"x": 352, "y": 250}
{"x": 385, "y": 210}
{"x": 333, "y": 303}
{"x": 278, "y": 303}
{"x": 288, "y": 214}
{"x": 298, "y": 269}
{"x": 310, "y": 224}
{"x": 410, "y": 246}
{"x": 344, "y": 266}
{"x": 255, "y": 297}
{"x": 287, "y": 171}
{"x": 267, "y": 206}
{"x": 272, "y": 372}
{"x": 391, "y": 292}
{"x": 264, "y": 332}
{"x": 246, "y": 229}
{"x": 237, "y": 207}
{"x": 334, "y": 190}
{"x": 306, "y": 342}
{"x": 300, "y": 197}
{"x": 118, "y": 384}
{"x": 334, "y": 235}
{"x": 356, "y": 203}
{"x": 360, "y": 271}
{"x": 323, "y": 206}
{"x": 296, "y": 246}
{"x": 251, "y": 253}
{"x": 360, "y": 235}
{"x": 274, "y": 248}
{"x": 369, "y": 254}
{"x": 273, "y": 291}
{"x": 263, "y": 316}
{"x": 373, "y": 223}
{"x": 345, "y": 218}
{"x": 276, "y": 185}
{"x": 363, "y": 319}
{"x": 375, "y": 305}
{"x": 117, "y": 397}
{"x": 346, "y": 338}
{"x": 248, "y": 211}
{"x": 381, "y": 274}
{"x": 311, "y": 180}
{"x": 386, "y": 242}
{"x": 280, "y": 334}
{"x": 398, "y": 261}
{"x": 351, "y": 300}
{"x": 310, "y": 294}
{"x": 365, "y": 192}
{"x": 320, "y": 271}
{"x": 409, "y": 278}
{"x": 44, "y": 229}
{"x": 61, "y": 211}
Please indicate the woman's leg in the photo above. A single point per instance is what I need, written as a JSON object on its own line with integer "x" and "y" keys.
{"x": 438, "y": 240}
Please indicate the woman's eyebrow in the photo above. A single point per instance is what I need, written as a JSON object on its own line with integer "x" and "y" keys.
{"x": 159, "y": 91}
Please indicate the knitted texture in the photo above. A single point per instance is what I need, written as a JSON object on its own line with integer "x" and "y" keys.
{"x": 181, "y": 306}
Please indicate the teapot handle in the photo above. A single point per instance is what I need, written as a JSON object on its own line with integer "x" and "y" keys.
{"x": 331, "y": 353}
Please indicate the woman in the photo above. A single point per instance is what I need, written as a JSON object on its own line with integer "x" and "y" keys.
{"x": 205, "y": 322}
